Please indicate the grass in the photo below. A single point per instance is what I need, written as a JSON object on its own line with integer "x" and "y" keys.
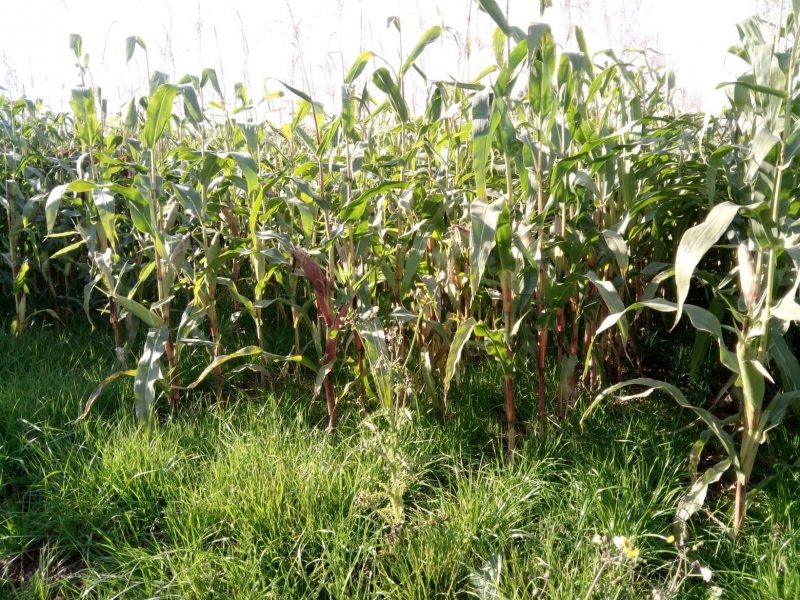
{"x": 254, "y": 500}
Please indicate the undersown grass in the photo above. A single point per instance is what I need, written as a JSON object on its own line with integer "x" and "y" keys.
{"x": 255, "y": 500}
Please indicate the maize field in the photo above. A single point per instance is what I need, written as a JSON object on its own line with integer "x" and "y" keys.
{"x": 548, "y": 214}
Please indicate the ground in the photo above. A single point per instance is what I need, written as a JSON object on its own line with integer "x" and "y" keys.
{"x": 254, "y": 499}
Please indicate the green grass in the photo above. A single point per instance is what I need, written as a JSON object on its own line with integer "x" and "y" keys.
{"x": 254, "y": 500}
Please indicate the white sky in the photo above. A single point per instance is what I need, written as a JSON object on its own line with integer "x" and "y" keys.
{"x": 255, "y": 40}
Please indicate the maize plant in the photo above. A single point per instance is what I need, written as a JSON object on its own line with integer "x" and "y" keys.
{"x": 757, "y": 288}
{"x": 527, "y": 217}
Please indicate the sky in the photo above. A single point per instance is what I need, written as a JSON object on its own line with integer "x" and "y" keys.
{"x": 311, "y": 43}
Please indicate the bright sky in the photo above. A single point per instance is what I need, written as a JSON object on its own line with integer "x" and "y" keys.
{"x": 311, "y": 42}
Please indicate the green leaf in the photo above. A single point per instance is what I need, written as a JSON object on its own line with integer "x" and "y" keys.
{"x": 380, "y": 360}
{"x": 694, "y": 499}
{"x": 85, "y": 111}
{"x": 19, "y": 286}
{"x": 504, "y": 242}
{"x": 141, "y": 215}
{"x": 148, "y": 317}
{"x": 762, "y": 143}
{"x": 355, "y": 209}
{"x": 157, "y": 79}
{"x": 385, "y": 83}
{"x": 774, "y": 413}
{"x": 131, "y": 118}
{"x": 619, "y": 248}
{"x": 494, "y": 11}
{"x": 99, "y": 389}
{"x": 189, "y": 199}
{"x": 148, "y": 371}
{"x": 787, "y": 309}
{"x": 753, "y": 384}
{"x": 51, "y": 206}
{"x": 414, "y": 256}
{"x": 210, "y": 75}
{"x": 496, "y": 344}
{"x": 67, "y": 249}
{"x": 81, "y": 185}
{"x": 756, "y": 88}
{"x": 246, "y": 351}
{"x": 701, "y": 319}
{"x": 358, "y": 66}
{"x": 652, "y": 385}
{"x": 159, "y": 111}
{"x": 105, "y": 205}
{"x": 76, "y": 44}
{"x": 430, "y": 36}
{"x": 460, "y": 339}
{"x": 703, "y": 339}
{"x": 481, "y": 139}
{"x": 783, "y": 357}
{"x": 484, "y": 218}
{"x": 193, "y": 109}
{"x": 130, "y": 46}
{"x": 248, "y": 167}
{"x": 695, "y": 243}
{"x": 298, "y": 93}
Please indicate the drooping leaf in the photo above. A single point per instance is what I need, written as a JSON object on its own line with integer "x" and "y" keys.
{"x": 52, "y": 205}
{"x": 150, "y": 318}
{"x": 378, "y": 356}
{"x": 130, "y": 46}
{"x": 242, "y": 352}
{"x": 385, "y": 83}
{"x": 694, "y": 499}
{"x": 493, "y": 10}
{"x": 701, "y": 319}
{"x": 76, "y": 44}
{"x": 460, "y": 339}
{"x": 620, "y": 249}
{"x": 105, "y": 204}
{"x": 248, "y": 167}
{"x": 189, "y": 199}
{"x": 148, "y": 371}
{"x": 787, "y": 309}
{"x": 210, "y": 76}
{"x": 193, "y": 109}
{"x": 774, "y": 413}
{"x": 99, "y": 389}
{"x": 784, "y": 359}
{"x": 761, "y": 145}
{"x": 695, "y": 243}
{"x": 608, "y": 292}
{"x": 756, "y": 88}
{"x": 652, "y": 385}
{"x": 484, "y": 217}
{"x": 358, "y": 66}
{"x": 298, "y": 93}
{"x": 430, "y": 36}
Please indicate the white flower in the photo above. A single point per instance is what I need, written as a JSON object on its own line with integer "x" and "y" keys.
{"x": 706, "y": 573}
{"x": 623, "y": 544}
